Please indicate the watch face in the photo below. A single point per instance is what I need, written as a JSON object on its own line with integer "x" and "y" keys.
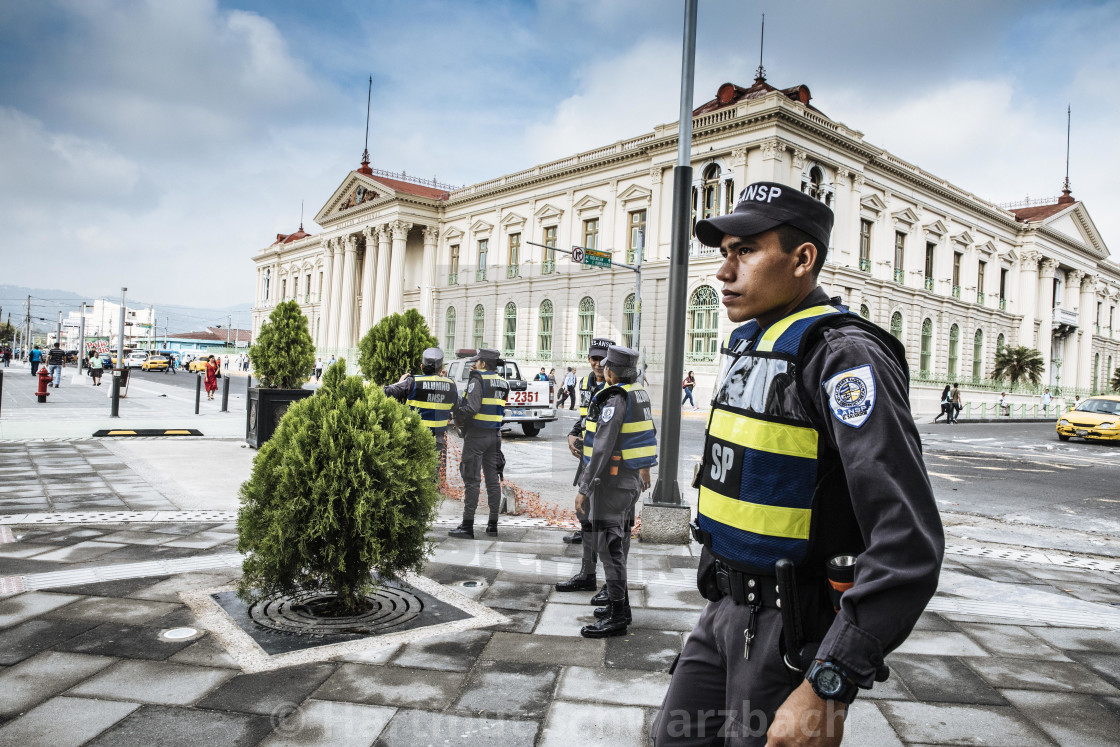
{"x": 829, "y": 681}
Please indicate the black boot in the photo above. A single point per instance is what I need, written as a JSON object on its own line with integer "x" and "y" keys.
{"x": 575, "y": 538}
{"x": 578, "y": 582}
{"x": 602, "y": 597}
{"x": 492, "y": 528}
{"x": 463, "y": 531}
{"x": 602, "y": 613}
{"x": 614, "y": 624}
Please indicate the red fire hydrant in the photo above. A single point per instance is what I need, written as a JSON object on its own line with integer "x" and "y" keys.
{"x": 44, "y": 381}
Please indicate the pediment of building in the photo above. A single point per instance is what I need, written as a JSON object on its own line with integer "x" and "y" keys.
{"x": 964, "y": 238}
{"x": 936, "y": 228}
{"x": 548, "y": 212}
{"x": 513, "y": 219}
{"x": 454, "y": 232}
{"x": 634, "y": 193}
{"x": 589, "y": 202}
{"x": 1076, "y": 224}
{"x": 356, "y": 190}
{"x": 874, "y": 203}
{"x": 906, "y": 216}
{"x": 988, "y": 247}
{"x": 481, "y": 226}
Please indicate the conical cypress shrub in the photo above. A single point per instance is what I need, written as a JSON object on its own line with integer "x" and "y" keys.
{"x": 394, "y": 346}
{"x": 283, "y": 354}
{"x": 346, "y": 486}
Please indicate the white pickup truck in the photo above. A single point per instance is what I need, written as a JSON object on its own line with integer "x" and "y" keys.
{"x": 531, "y": 404}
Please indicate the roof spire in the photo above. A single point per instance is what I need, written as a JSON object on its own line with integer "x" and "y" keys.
{"x": 301, "y": 215}
{"x": 1066, "y": 196}
{"x": 365, "y": 169}
{"x": 760, "y": 74}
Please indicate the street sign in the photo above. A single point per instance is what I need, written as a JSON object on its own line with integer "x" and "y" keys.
{"x": 577, "y": 255}
{"x": 596, "y": 258}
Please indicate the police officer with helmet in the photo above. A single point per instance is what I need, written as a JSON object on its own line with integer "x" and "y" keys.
{"x": 430, "y": 394}
{"x": 619, "y": 448}
{"x": 822, "y": 541}
{"x": 480, "y": 413}
{"x": 589, "y": 385}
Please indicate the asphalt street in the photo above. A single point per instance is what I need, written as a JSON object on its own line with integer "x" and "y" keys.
{"x": 186, "y": 380}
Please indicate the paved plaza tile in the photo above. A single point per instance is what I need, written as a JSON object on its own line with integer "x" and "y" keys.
{"x": 65, "y": 722}
{"x": 154, "y": 682}
{"x": 953, "y": 724}
{"x": 266, "y": 692}
{"x": 1069, "y": 718}
{"x": 43, "y": 676}
{"x": 320, "y": 723}
{"x": 447, "y": 730}
{"x": 184, "y": 727}
{"x": 391, "y": 686}
{"x": 593, "y": 724}
{"x": 508, "y": 689}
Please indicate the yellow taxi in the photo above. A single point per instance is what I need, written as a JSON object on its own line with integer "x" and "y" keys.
{"x": 155, "y": 363}
{"x": 198, "y": 364}
{"x": 1097, "y": 418}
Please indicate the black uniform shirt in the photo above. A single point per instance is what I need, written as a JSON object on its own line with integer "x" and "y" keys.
{"x": 471, "y": 402}
{"x": 605, "y": 444}
{"x": 595, "y": 386}
{"x": 891, "y": 499}
{"x": 400, "y": 390}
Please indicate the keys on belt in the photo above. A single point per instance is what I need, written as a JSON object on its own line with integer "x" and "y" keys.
{"x": 745, "y": 588}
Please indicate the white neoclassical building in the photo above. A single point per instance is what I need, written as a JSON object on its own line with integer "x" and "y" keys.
{"x": 954, "y": 276}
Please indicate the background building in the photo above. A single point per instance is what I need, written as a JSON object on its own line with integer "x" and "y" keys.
{"x": 954, "y": 276}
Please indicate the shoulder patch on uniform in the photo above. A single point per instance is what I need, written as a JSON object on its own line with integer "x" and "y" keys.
{"x": 470, "y": 386}
{"x": 851, "y": 395}
{"x": 606, "y": 415}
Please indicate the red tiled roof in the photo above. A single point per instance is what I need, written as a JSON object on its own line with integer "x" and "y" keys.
{"x": 419, "y": 190}
{"x": 287, "y": 238}
{"x": 1040, "y": 212}
{"x": 729, "y": 93}
{"x": 216, "y": 334}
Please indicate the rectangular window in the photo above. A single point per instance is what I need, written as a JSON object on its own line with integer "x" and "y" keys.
{"x": 283, "y": 290}
{"x": 449, "y": 331}
{"x": 865, "y": 245}
{"x": 981, "y": 269}
{"x": 957, "y": 271}
{"x": 483, "y": 253}
{"x": 320, "y": 286}
{"x": 513, "y": 263}
{"x": 307, "y": 286}
{"x": 729, "y": 202}
{"x": 637, "y": 236}
{"x": 1003, "y": 284}
{"x": 453, "y": 266}
{"x": 295, "y": 287}
{"x": 591, "y": 233}
{"x": 548, "y": 265}
{"x": 931, "y": 253}
{"x": 899, "y": 255}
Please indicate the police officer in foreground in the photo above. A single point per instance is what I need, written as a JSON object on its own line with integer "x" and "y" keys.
{"x": 812, "y": 471}
{"x": 431, "y": 394}
{"x": 619, "y": 448}
{"x": 480, "y": 413}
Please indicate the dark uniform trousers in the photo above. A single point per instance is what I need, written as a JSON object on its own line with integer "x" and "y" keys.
{"x": 480, "y": 457}
{"x": 712, "y": 670}
{"x": 610, "y": 533}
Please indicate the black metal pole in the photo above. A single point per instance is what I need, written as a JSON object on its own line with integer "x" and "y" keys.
{"x": 115, "y": 407}
{"x": 1, "y": 390}
{"x": 197, "y": 392}
{"x": 225, "y": 394}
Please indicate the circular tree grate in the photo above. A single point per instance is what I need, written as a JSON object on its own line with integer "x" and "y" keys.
{"x": 387, "y": 608}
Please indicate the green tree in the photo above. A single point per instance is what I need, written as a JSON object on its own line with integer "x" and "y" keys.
{"x": 394, "y": 346}
{"x": 1115, "y": 383}
{"x": 7, "y": 332}
{"x": 346, "y": 486}
{"x": 1018, "y": 363}
{"x": 283, "y": 354}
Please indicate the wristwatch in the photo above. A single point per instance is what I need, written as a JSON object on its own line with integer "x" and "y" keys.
{"x": 830, "y": 682}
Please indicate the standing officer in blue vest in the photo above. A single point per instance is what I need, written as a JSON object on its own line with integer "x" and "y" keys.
{"x": 431, "y": 395}
{"x": 480, "y": 412}
{"x": 812, "y": 469}
{"x": 619, "y": 447}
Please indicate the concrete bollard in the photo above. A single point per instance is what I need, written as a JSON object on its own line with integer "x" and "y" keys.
{"x": 197, "y": 392}
{"x": 225, "y": 394}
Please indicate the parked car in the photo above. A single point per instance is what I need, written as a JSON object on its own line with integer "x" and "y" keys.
{"x": 198, "y": 364}
{"x": 155, "y": 363}
{"x": 531, "y": 404}
{"x": 1097, "y": 418}
{"x": 136, "y": 358}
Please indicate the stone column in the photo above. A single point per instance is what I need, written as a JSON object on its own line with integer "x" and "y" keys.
{"x": 1087, "y": 323}
{"x": 739, "y": 163}
{"x": 396, "y": 265}
{"x": 369, "y": 269}
{"x": 382, "y": 293}
{"x": 1046, "y": 315}
{"x": 349, "y": 295}
{"x": 1028, "y": 297}
{"x": 428, "y": 278}
{"x": 322, "y": 339}
{"x": 334, "y": 312}
{"x": 653, "y": 220}
{"x": 772, "y": 168}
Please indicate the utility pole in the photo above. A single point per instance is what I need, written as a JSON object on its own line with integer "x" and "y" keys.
{"x": 27, "y": 340}
{"x": 229, "y": 319}
{"x": 59, "y": 338}
{"x": 82, "y": 339}
{"x": 119, "y": 371}
{"x": 151, "y": 321}
{"x": 671, "y": 517}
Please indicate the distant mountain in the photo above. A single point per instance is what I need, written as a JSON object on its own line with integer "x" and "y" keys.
{"x": 47, "y": 303}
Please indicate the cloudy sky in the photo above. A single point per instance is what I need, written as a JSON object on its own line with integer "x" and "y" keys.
{"x": 159, "y": 144}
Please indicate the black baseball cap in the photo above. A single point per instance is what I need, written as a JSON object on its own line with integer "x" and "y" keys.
{"x": 766, "y": 205}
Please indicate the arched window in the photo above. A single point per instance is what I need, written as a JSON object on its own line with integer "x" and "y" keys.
{"x": 710, "y": 193}
{"x": 629, "y": 317}
{"x": 1001, "y": 342}
{"x": 267, "y": 282}
{"x": 586, "y": 329}
{"x": 954, "y": 343}
{"x": 813, "y": 184}
{"x": 544, "y": 330}
{"x": 509, "y": 339}
{"x": 1095, "y": 386}
{"x": 449, "y": 332}
{"x": 978, "y": 356}
{"x": 927, "y": 347}
{"x": 703, "y": 322}
{"x": 479, "y": 325}
{"x": 896, "y": 325}
{"x": 864, "y": 311}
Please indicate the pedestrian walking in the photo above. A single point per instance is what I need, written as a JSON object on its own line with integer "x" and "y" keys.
{"x": 1004, "y": 408}
{"x": 210, "y": 380}
{"x": 812, "y": 469}
{"x": 1046, "y": 397}
{"x": 688, "y": 385}
{"x": 431, "y": 394}
{"x": 480, "y": 413}
{"x": 56, "y": 359}
{"x": 96, "y": 367}
{"x": 570, "y": 387}
{"x": 584, "y": 580}
{"x": 946, "y": 403}
{"x": 955, "y": 405}
{"x": 318, "y": 369}
{"x": 36, "y": 358}
{"x": 7, "y": 357}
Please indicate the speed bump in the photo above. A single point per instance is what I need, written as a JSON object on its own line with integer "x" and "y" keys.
{"x": 149, "y": 432}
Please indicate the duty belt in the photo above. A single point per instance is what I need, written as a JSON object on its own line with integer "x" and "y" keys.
{"x": 745, "y": 588}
